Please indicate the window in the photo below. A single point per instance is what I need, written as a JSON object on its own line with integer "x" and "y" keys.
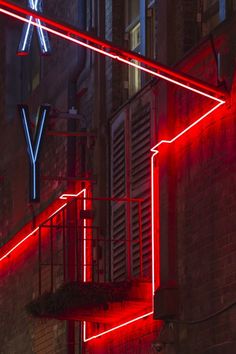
{"x": 134, "y": 74}
{"x": 133, "y": 31}
{"x": 140, "y": 31}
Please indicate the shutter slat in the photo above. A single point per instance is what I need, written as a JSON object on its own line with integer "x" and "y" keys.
{"x": 140, "y": 184}
{"x": 118, "y": 211}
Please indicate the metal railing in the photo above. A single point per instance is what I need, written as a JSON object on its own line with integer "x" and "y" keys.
{"x": 91, "y": 240}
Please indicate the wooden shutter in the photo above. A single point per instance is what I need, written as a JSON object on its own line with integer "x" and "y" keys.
{"x": 130, "y": 147}
{"x": 118, "y": 210}
{"x": 140, "y": 188}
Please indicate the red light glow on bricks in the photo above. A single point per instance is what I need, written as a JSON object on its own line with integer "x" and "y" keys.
{"x": 15, "y": 245}
{"x": 117, "y": 327}
{"x": 160, "y": 71}
{"x": 122, "y": 325}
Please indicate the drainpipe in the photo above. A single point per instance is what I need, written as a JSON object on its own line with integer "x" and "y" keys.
{"x": 71, "y": 171}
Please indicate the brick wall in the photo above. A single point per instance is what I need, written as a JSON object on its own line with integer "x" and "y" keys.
{"x": 197, "y": 185}
{"x": 205, "y": 234}
{"x": 56, "y": 70}
{"x": 19, "y": 333}
{"x": 197, "y": 189}
{"x": 199, "y": 179}
{"x": 136, "y": 338}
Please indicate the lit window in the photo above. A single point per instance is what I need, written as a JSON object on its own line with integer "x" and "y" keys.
{"x": 134, "y": 74}
{"x": 140, "y": 31}
{"x": 133, "y": 31}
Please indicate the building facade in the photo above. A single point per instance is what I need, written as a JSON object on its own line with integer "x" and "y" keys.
{"x": 105, "y": 118}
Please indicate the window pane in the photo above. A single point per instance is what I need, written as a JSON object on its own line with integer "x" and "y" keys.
{"x": 134, "y": 79}
{"x": 135, "y": 38}
{"x": 134, "y": 73}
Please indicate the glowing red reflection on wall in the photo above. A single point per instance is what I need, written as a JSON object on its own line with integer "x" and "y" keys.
{"x": 87, "y": 278}
{"x": 14, "y": 244}
{"x": 155, "y": 69}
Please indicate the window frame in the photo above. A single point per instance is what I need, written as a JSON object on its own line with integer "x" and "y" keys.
{"x": 137, "y": 79}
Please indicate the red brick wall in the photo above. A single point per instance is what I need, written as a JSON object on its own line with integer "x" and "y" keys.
{"x": 136, "y": 338}
{"x": 201, "y": 187}
{"x": 197, "y": 202}
{"x": 56, "y": 70}
{"x": 197, "y": 189}
{"x": 18, "y": 332}
{"x": 205, "y": 233}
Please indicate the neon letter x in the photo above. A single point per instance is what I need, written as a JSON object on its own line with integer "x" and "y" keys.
{"x": 33, "y": 145}
{"x": 28, "y": 29}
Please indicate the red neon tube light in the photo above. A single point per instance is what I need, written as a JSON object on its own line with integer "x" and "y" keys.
{"x": 32, "y": 233}
{"x": 85, "y": 338}
{"x": 11, "y": 249}
{"x": 68, "y": 32}
{"x": 103, "y": 47}
{"x": 117, "y": 327}
{"x": 158, "y": 70}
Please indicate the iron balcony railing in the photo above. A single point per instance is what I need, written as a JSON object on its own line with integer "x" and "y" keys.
{"x": 94, "y": 240}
